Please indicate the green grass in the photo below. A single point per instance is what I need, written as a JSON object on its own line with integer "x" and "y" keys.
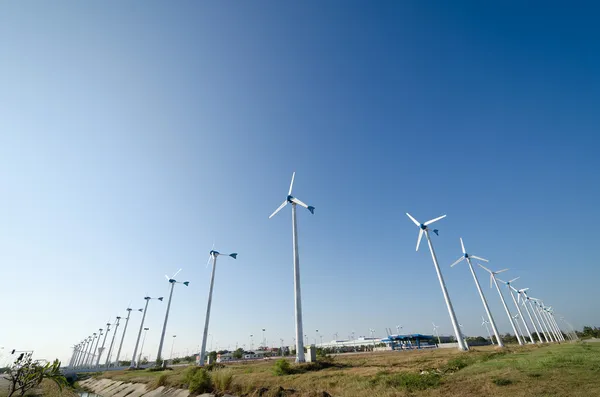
{"x": 540, "y": 370}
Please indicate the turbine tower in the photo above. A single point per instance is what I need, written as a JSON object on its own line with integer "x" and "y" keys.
{"x": 493, "y": 280}
{"x": 481, "y": 295}
{"x": 485, "y": 323}
{"x": 213, "y": 254}
{"x": 112, "y": 342}
{"x": 123, "y": 336}
{"x": 101, "y": 350}
{"x": 297, "y": 295}
{"x": 133, "y": 363}
{"x": 435, "y": 329}
{"x": 535, "y": 314}
{"x": 510, "y": 291}
{"x": 424, "y": 229}
{"x": 521, "y": 293}
{"x": 172, "y": 281}
{"x": 547, "y": 332}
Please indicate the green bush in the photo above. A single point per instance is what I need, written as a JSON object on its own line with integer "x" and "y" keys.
{"x": 160, "y": 381}
{"x": 458, "y": 363}
{"x": 408, "y": 380}
{"x": 200, "y": 382}
{"x": 282, "y": 367}
{"x": 502, "y": 382}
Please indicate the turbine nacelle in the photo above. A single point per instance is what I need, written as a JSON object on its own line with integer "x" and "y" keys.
{"x": 424, "y": 227}
{"x": 293, "y": 200}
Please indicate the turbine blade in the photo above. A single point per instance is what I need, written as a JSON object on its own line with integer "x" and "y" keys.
{"x": 176, "y": 273}
{"x": 491, "y": 279}
{"x": 479, "y": 258}
{"x": 434, "y": 220}
{"x": 278, "y": 209}
{"x": 208, "y": 261}
{"x": 167, "y": 277}
{"x": 501, "y": 271}
{"x": 516, "y": 278}
{"x": 419, "y": 239}
{"x": 295, "y": 200}
{"x": 462, "y": 246}
{"x": 413, "y": 219}
{"x": 523, "y": 289}
{"x": 488, "y": 270}
{"x": 499, "y": 279}
{"x": 292, "y": 183}
{"x": 458, "y": 261}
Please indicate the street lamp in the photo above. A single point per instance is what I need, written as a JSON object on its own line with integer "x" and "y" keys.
{"x": 133, "y": 363}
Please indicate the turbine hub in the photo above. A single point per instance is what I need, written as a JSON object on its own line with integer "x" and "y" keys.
{"x": 214, "y": 253}
{"x": 423, "y": 227}
{"x": 289, "y": 198}
{"x": 466, "y": 255}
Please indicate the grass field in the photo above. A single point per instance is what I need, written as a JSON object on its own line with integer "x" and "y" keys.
{"x": 552, "y": 370}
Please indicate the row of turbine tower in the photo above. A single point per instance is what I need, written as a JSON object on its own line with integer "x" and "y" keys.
{"x": 86, "y": 355}
{"x": 545, "y": 325}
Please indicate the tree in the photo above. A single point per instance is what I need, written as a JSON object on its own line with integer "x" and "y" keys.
{"x": 239, "y": 353}
{"x": 26, "y": 374}
{"x": 213, "y": 356}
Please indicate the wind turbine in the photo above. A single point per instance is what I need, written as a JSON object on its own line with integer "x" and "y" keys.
{"x": 485, "y": 323}
{"x": 112, "y": 342}
{"x": 124, "y": 331}
{"x": 398, "y": 328}
{"x": 424, "y": 229}
{"x": 133, "y": 363}
{"x": 481, "y": 295}
{"x": 493, "y": 280}
{"x": 101, "y": 350}
{"x": 516, "y": 317}
{"x": 92, "y": 351}
{"x": 435, "y": 329}
{"x": 519, "y": 296}
{"x": 297, "y": 295}
{"x": 557, "y": 333}
{"x": 95, "y": 349}
{"x": 547, "y": 332}
{"x": 550, "y": 311}
{"x": 510, "y": 291}
{"x": 213, "y": 254}
{"x": 171, "y": 281}
{"x": 531, "y": 302}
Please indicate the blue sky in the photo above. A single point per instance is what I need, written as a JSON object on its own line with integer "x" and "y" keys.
{"x": 133, "y": 136}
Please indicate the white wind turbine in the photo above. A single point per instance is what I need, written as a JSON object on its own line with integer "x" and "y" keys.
{"x": 516, "y": 318}
{"x": 171, "y": 281}
{"x": 297, "y": 296}
{"x": 510, "y": 291}
{"x": 481, "y": 295}
{"x": 531, "y": 302}
{"x": 493, "y": 280}
{"x": 435, "y": 329}
{"x": 485, "y": 323}
{"x": 537, "y": 306}
{"x": 424, "y": 229}
{"x": 521, "y": 294}
{"x": 548, "y": 313}
{"x": 212, "y": 255}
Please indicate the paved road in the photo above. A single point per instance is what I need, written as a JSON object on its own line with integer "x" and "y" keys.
{"x": 3, "y": 385}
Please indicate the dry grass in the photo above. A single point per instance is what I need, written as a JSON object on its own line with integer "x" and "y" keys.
{"x": 556, "y": 370}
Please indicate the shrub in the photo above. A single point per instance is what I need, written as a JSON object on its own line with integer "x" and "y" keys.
{"x": 160, "y": 381}
{"x": 282, "y": 367}
{"x": 408, "y": 380}
{"x": 458, "y": 363}
{"x": 502, "y": 382}
{"x": 200, "y": 382}
{"x": 222, "y": 379}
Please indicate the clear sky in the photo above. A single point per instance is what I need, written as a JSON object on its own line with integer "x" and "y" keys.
{"x": 133, "y": 135}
